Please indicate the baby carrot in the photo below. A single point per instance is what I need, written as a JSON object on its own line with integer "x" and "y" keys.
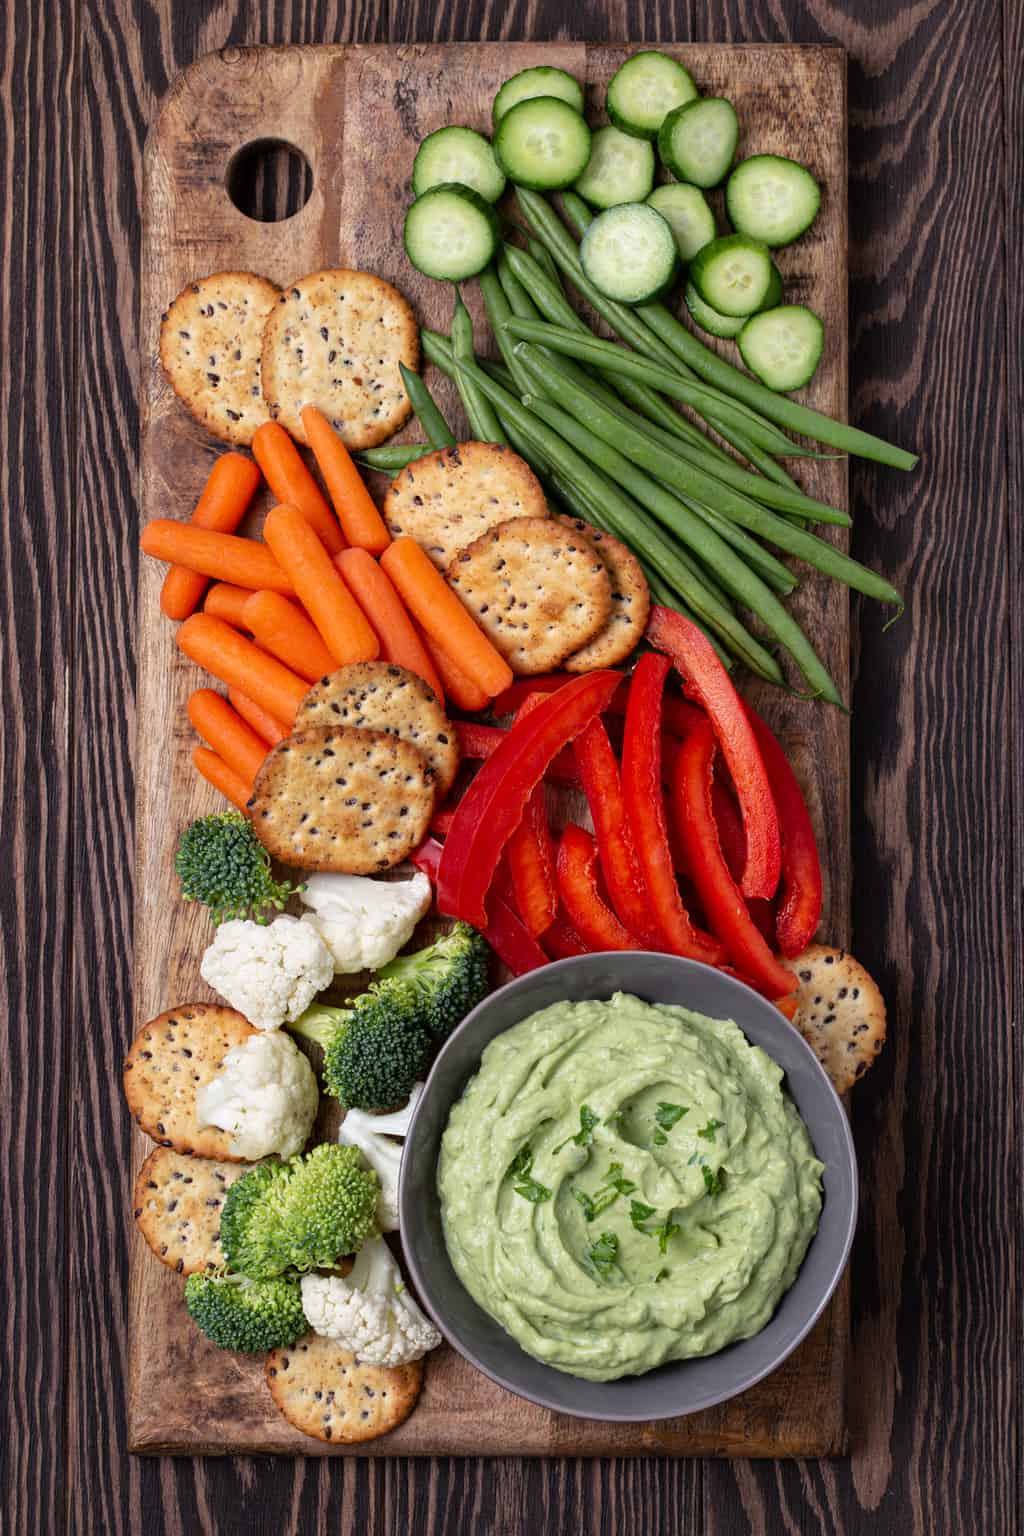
{"x": 223, "y": 601}
{"x": 436, "y": 608}
{"x": 262, "y": 722}
{"x": 291, "y": 481}
{"x": 385, "y": 610}
{"x": 216, "y": 772}
{"x": 357, "y": 511}
{"x": 223, "y": 556}
{"x": 228, "y": 491}
{"x": 212, "y": 644}
{"x": 283, "y": 630}
{"x": 227, "y": 733}
{"x": 318, "y": 582}
{"x": 463, "y": 692}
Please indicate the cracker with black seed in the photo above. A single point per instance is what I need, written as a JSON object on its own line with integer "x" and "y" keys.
{"x": 631, "y": 602}
{"x": 335, "y": 340}
{"x": 380, "y": 696}
{"x": 211, "y": 341}
{"x": 448, "y": 499}
{"x": 349, "y": 801}
{"x": 327, "y": 1393}
{"x": 538, "y": 590}
{"x": 840, "y": 1012}
{"x": 177, "y": 1203}
{"x": 170, "y": 1059}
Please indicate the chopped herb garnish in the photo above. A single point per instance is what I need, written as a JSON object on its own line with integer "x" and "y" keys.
{"x": 639, "y": 1213}
{"x": 519, "y": 1171}
{"x": 708, "y": 1131}
{"x": 604, "y": 1254}
{"x": 585, "y": 1135}
{"x": 666, "y": 1116}
{"x": 668, "y": 1229}
{"x": 662, "y": 1274}
{"x": 714, "y": 1182}
{"x": 695, "y": 1157}
{"x": 614, "y": 1186}
{"x": 617, "y": 1182}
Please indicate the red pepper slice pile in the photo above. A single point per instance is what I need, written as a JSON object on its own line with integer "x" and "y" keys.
{"x": 595, "y": 922}
{"x": 800, "y": 911}
{"x": 619, "y": 864}
{"x": 494, "y": 803}
{"x": 723, "y": 903}
{"x": 707, "y": 681}
{"x": 645, "y": 808}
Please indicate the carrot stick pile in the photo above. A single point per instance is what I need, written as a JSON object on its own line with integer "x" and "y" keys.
{"x": 323, "y": 587}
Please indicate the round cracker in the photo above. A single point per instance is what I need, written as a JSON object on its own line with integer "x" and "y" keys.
{"x": 352, "y": 802}
{"x": 840, "y": 1012}
{"x": 170, "y": 1059}
{"x": 211, "y": 340}
{"x": 538, "y": 590}
{"x": 380, "y": 696}
{"x": 328, "y": 1394}
{"x": 631, "y": 602}
{"x": 335, "y": 340}
{"x": 448, "y": 499}
{"x": 177, "y": 1203}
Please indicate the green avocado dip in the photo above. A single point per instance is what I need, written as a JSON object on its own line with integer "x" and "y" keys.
{"x": 623, "y": 1184}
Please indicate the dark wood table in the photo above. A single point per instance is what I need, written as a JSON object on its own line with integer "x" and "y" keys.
{"x": 936, "y": 132}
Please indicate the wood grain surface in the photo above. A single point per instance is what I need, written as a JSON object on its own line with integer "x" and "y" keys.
{"x": 936, "y": 197}
{"x": 329, "y": 103}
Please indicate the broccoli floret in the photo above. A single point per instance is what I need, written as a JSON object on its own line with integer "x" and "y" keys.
{"x": 221, "y": 862}
{"x": 375, "y": 1050}
{"x": 304, "y": 1214}
{"x": 245, "y": 1315}
{"x": 450, "y": 977}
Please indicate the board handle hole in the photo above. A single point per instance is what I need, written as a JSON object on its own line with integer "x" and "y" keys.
{"x": 269, "y": 180}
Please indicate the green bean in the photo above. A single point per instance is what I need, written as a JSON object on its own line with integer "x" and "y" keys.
{"x": 483, "y": 422}
{"x": 499, "y": 312}
{"x": 542, "y": 256}
{"x": 771, "y": 570}
{"x": 590, "y": 349}
{"x": 391, "y": 457}
{"x": 439, "y": 434}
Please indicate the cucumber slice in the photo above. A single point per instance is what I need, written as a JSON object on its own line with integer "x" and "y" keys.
{"x": 644, "y": 90}
{"x": 729, "y": 326}
{"x": 772, "y": 199}
{"x": 457, "y": 154}
{"x": 688, "y": 213}
{"x": 629, "y": 252}
{"x": 620, "y": 170}
{"x": 733, "y": 274}
{"x": 451, "y": 232}
{"x": 783, "y": 346}
{"x": 541, "y": 81}
{"x": 698, "y": 141}
{"x": 542, "y": 143}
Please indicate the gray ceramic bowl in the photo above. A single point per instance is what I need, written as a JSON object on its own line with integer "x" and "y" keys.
{"x": 686, "y": 1386}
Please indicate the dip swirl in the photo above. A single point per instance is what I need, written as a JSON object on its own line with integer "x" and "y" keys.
{"x": 624, "y": 1184}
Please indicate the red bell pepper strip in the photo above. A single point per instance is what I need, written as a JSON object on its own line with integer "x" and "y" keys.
{"x": 707, "y": 681}
{"x": 619, "y": 865}
{"x": 478, "y": 742}
{"x": 531, "y": 853}
{"x": 441, "y": 822}
{"x": 733, "y": 843}
{"x": 723, "y": 903}
{"x": 561, "y": 940}
{"x": 493, "y": 805}
{"x": 800, "y": 910}
{"x": 595, "y": 922}
{"x": 503, "y": 930}
{"x": 508, "y": 702}
{"x": 645, "y": 809}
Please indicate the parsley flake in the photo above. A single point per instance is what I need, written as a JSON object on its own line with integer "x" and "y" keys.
{"x": 666, "y": 1116}
{"x": 714, "y": 1182}
{"x": 585, "y": 1135}
{"x": 662, "y": 1274}
{"x": 667, "y": 1230}
{"x": 604, "y": 1254}
{"x": 519, "y": 1171}
{"x": 707, "y": 1132}
{"x": 639, "y": 1213}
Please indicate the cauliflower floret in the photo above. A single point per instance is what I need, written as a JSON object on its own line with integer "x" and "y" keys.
{"x": 270, "y": 973}
{"x": 373, "y": 1135}
{"x": 365, "y": 922}
{"x": 266, "y": 1096}
{"x": 370, "y": 1311}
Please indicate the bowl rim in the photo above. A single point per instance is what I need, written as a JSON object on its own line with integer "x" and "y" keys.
{"x": 713, "y": 1397}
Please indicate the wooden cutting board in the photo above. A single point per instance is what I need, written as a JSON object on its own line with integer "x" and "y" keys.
{"x": 356, "y": 115}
